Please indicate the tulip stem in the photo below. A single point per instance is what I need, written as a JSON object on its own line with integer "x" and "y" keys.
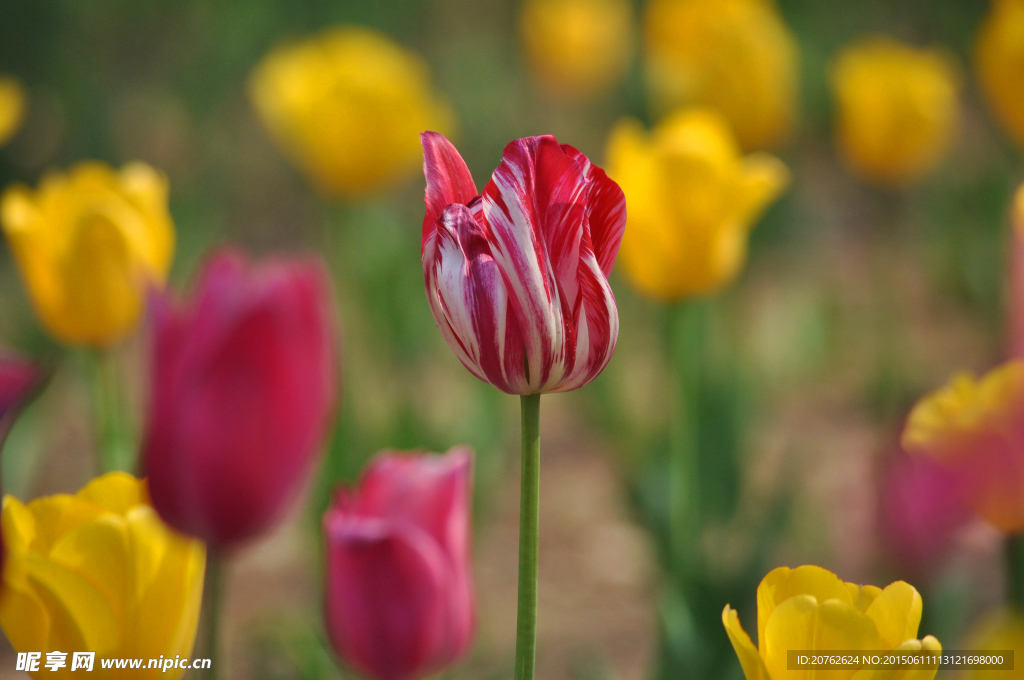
{"x": 213, "y": 595}
{"x": 529, "y": 525}
{"x": 1015, "y": 570}
{"x": 684, "y": 339}
{"x": 114, "y": 453}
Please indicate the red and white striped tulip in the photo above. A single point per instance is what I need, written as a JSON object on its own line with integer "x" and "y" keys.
{"x": 517, "y": 276}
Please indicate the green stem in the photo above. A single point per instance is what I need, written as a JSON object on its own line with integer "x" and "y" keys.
{"x": 684, "y": 340}
{"x": 1015, "y": 570}
{"x": 529, "y": 524}
{"x": 212, "y": 597}
{"x": 113, "y": 451}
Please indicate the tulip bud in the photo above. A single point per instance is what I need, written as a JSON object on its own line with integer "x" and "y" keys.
{"x": 577, "y": 48}
{"x": 346, "y": 106}
{"x": 243, "y": 385}
{"x": 399, "y": 600}
{"x": 897, "y": 109}
{"x": 998, "y": 55}
{"x": 735, "y": 56}
{"x": 99, "y": 572}
{"x": 975, "y": 429}
{"x": 12, "y": 107}
{"x": 517, "y": 277}
{"x": 692, "y": 201}
{"x": 810, "y": 608}
{"x": 89, "y": 243}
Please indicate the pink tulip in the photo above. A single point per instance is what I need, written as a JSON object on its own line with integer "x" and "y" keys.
{"x": 922, "y": 505}
{"x": 400, "y": 602}
{"x": 243, "y": 386}
{"x": 517, "y": 277}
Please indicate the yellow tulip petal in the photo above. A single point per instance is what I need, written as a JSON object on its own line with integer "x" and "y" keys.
{"x": 80, "y": 617}
{"x": 764, "y": 178}
{"x": 801, "y": 622}
{"x": 897, "y": 613}
{"x": 18, "y": 525}
{"x": 750, "y": 661}
{"x": 99, "y": 551}
{"x": 863, "y": 596}
{"x": 783, "y": 583}
{"x": 57, "y": 515}
{"x": 149, "y": 538}
{"x": 117, "y": 492}
{"x": 22, "y": 615}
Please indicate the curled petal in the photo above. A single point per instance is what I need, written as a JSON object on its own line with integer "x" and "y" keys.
{"x": 448, "y": 178}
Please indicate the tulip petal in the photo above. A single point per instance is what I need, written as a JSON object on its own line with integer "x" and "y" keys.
{"x": 448, "y": 179}
{"x": 386, "y": 610}
{"x": 80, "y": 617}
{"x": 117, "y": 492}
{"x": 762, "y": 180}
{"x": 467, "y": 295}
{"x": 801, "y": 622}
{"x": 23, "y": 616}
{"x": 606, "y": 211}
{"x": 897, "y": 613}
{"x": 99, "y": 551}
{"x": 750, "y": 661}
{"x": 783, "y": 583}
{"x": 533, "y": 207}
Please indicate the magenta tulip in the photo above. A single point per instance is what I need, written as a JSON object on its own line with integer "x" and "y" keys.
{"x": 517, "y": 276}
{"x": 399, "y": 601}
{"x": 243, "y": 386}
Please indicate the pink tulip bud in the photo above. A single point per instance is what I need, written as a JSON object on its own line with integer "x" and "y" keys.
{"x": 243, "y": 386}
{"x": 517, "y": 277}
{"x": 400, "y": 602}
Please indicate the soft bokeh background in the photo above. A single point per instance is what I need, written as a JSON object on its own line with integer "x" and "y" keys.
{"x": 801, "y": 416}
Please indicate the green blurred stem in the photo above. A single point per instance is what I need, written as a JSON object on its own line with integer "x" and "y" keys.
{"x": 529, "y": 525}
{"x": 1015, "y": 570}
{"x": 685, "y": 330}
{"x": 212, "y": 597}
{"x": 114, "y": 450}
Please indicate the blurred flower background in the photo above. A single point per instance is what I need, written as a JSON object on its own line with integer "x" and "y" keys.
{"x": 819, "y": 206}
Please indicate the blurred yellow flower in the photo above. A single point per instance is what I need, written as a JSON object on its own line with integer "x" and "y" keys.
{"x": 999, "y": 60}
{"x": 897, "y": 109}
{"x": 974, "y": 428}
{"x": 1000, "y": 630}
{"x": 692, "y": 199}
{"x": 737, "y": 56}
{"x": 88, "y": 243}
{"x": 12, "y": 107}
{"x": 347, "y": 107}
{"x": 99, "y": 572}
{"x": 577, "y": 48}
{"x": 810, "y": 608}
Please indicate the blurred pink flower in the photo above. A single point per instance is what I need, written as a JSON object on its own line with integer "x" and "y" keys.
{"x": 399, "y": 601}
{"x": 243, "y": 386}
{"x": 921, "y": 507}
{"x": 517, "y": 277}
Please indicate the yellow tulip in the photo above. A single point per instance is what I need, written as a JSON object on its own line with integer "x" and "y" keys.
{"x": 999, "y": 61}
{"x": 12, "y": 107}
{"x": 99, "y": 572}
{"x": 974, "y": 428}
{"x": 1000, "y": 630}
{"x": 692, "y": 200}
{"x": 347, "y": 107}
{"x": 897, "y": 109}
{"x": 737, "y": 56}
{"x": 89, "y": 243}
{"x": 810, "y": 608}
{"x": 577, "y": 48}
